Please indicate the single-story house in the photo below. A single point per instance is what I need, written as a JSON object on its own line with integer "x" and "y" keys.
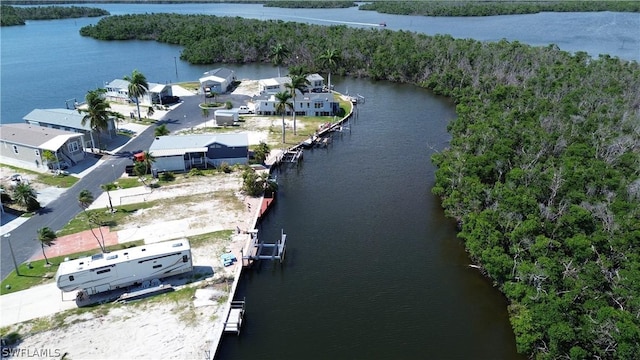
{"x": 23, "y": 145}
{"x": 118, "y": 91}
{"x": 71, "y": 120}
{"x": 226, "y": 117}
{"x": 217, "y": 81}
{"x": 307, "y": 104}
{"x": 184, "y": 152}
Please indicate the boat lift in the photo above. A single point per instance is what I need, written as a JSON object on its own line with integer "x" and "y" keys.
{"x": 261, "y": 251}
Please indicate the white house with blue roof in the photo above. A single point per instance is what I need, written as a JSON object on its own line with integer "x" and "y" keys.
{"x": 181, "y": 153}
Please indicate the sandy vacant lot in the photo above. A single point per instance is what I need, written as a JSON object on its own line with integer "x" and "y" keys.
{"x": 182, "y": 325}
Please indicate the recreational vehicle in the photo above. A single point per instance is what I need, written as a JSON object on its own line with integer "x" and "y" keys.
{"x": 122, "y": 268}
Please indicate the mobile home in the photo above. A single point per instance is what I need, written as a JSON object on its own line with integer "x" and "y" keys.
{"x": 122, "y": 268}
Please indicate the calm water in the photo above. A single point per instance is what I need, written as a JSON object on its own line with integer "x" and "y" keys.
{"x": 65, "y": 65}
{"x": 374, "y": 270}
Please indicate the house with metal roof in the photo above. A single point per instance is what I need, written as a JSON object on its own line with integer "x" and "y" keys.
{"x": 118, "y": 91}
{"x": 217, "y": 81}
{"x": 184, "y": 152}
{"x": 23, "y": 145}
{"x": 71, "y": 120}
{"x": 307, "y": 104}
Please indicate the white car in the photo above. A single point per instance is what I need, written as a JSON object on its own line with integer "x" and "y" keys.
{"x": 244, "y": 110}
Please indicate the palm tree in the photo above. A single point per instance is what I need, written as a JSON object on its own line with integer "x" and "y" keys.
{"x": 97, "y": 113}
{"x": 279, "y": 52}
{"x": 330, "y": 59}
{"x": 298, "y": 70}
{"x": 109, "y": 187}
{"x": 298, "y": 82}
{"x": 138, "y": 86}
{"x": 85, "y": 198}
{"x": 282, "y": 105}
{"x": 25, "y": 195}
{"x": 47, "y": 238}
{"x": 161, "y": 130}
{"x": 148, "y": 161}
{"x": 261, "y": 152}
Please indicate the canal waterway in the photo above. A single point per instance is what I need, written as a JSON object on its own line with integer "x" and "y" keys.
{"x": 373, "y": 268}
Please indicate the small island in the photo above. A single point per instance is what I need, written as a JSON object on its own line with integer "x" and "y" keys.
{"x": 18, "y": 15}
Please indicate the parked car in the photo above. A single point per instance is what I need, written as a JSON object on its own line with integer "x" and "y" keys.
{"x": 170, "y": 100}
{"x": 245, "y": 110}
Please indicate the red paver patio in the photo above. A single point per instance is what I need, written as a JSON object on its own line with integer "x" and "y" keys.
{"x": 82, "y": 241}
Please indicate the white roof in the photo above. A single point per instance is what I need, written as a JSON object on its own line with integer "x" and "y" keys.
{"x": 57, "y": 142}
{"x": 114, "y": 257}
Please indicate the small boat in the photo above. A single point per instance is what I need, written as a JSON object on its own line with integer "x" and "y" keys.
{"x": 383, "y": 24}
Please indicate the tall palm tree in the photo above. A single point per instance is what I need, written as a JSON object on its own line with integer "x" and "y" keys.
{"x": 47, "y": 237}
{"x": 85, "y": 198}
{"x": 279, "y": 52}
{"x": 25, "y": 195}
{"x": 330, "y": 59}
{"x": 298, "y": 82}
{"x": 282, "y": 104}
{"x": 148, "y": 161}
{"x": 138, "y": 86}
{"x": 109, "y": 187}
{"x": 97, "y": 113}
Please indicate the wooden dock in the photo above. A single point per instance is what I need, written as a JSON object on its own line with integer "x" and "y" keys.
{"x": 235, "y": 317}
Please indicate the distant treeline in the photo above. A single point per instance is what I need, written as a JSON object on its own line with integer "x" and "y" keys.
{"x": 542, "y": 171}
{"x": 17, "y": 15}
{"x": 417, "y": 7}
{"x": 489, "y": 8}
{"x": 309, "y": 4}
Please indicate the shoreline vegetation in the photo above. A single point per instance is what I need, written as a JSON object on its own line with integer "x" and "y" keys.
{"x": 542, "y": 172}
{"x": 18, "y": 15}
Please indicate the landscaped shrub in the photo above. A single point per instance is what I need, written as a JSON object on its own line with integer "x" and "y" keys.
{"x": 167, "y": 176}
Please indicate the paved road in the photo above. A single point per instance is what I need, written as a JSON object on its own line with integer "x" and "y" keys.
{"x": 60, "y": 211}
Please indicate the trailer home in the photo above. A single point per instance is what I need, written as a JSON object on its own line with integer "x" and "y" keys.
{"x": 122, "y": 268}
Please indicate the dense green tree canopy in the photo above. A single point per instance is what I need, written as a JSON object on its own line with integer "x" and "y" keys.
{"x": 495, "y": 7}
{"x": 17, "y": 15}
{"x": 542, "y": 171}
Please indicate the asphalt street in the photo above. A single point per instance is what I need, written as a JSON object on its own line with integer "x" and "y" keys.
{"x": 59, "y": 212}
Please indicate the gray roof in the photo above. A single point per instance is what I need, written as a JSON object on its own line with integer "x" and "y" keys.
{"x": 35, "y": 136}
{"x": 61, "y": 117}
{"x": 220, "y": 72}
{"x": 182, "y": 144}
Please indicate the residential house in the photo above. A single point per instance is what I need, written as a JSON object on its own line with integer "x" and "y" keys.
{"x": 276, "y": 85}
{"x": 307, "y": 104}
{"x": 217, "y": 81}
{"x": 23, "y": 145}
{"x": 71, "y": 120}
{"x": 183, "y": 152}
{"x": 118, "y": 91}
{"x": 273, "y": 85}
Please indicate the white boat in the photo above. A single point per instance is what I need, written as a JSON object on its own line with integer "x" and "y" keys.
{"x": 122, "y": 268}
